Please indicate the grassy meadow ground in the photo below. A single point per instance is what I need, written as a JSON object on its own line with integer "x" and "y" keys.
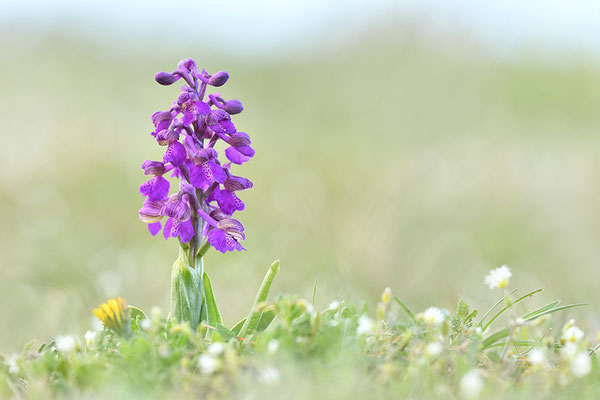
{"x": 380, "y": 162}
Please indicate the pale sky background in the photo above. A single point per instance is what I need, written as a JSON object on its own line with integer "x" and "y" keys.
{"x": 273, "y": 27}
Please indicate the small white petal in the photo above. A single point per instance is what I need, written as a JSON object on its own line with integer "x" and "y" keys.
{"x": 471, "y": 384}
{"x": 273, "y": 346}
{"x": 65, "y": 344}
{"x": 582, "y": 364}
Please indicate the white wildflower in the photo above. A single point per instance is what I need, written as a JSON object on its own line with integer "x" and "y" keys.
{"x": 155, "y": 312}
{"x": 569, "y": 350}
{"x": 537, "y": 356}
{"x": 65, "y": 344}
{"x": 273, "y": 346}
{"x": 471, "y": 384}
{"x": 146, "y": 324}
{"x": 334, "y": 305}
{"x": 432, "y": 316}
{"x": 434, "y": 349}
{"x": 89, "y": 337}
{"x": 573, "y": 334}
{"x": 365, "y": 325}
{"x": 11, "y": 361}
{"x": 269, "y": 376}
{"x": 498, "y": 277}
{"x": 207, "y": 364}
{"x": 215, "y": 348}
{"x": 581, "y": 365}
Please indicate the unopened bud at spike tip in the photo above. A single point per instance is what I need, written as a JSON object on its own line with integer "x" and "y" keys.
{"x": 165, "y": 78}
{"x": 233, "y": 107}
{"x": 218, "y": 79}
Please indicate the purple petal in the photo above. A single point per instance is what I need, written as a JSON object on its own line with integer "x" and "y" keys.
{"x": 175, "y": 154}
{"x": 218, "y": 239}
{"x": 235, "y": 156}
{"x": 186, "y": 231}
{"x": 156, "y": 188}
{"x": 228, "y": 201}
{"x": 198, "y": 176}
{"x": 217, "y": 172}
{"x": 188, "y": 117}
{"x": 154, "y": 228}
{"x": 202, "y": 108}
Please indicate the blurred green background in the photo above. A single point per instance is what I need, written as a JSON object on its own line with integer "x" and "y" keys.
{"x": 389, "y": 157}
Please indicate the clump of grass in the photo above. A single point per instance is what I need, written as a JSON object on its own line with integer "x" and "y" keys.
{"x": 342, "y": 351}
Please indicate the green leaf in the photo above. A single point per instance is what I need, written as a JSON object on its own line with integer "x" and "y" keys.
{"x": 261, "y": 296}
{"x": 410, "y": 314}
{"x": 238, "y": 327}
{"x": 212, "y": 310}
{"x": 462, "y": 310}
{"x": 135, "y": 312}
{"x": 225, "y": 333}
{"x": 266, "y": 317}
{"x": 186, "y": 293}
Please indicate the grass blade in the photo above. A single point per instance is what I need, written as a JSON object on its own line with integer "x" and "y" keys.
{"x": 494, "y": 306}
{"x": 410, "y": 314}
{"x": 542, "y": 309}
{"x": 553, "y": 310}
{"x": 499, "y": 313}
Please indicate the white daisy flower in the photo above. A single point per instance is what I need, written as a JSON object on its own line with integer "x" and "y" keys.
{"x": 215, "y": 348}
{"x": 207, "y": 364}
{"x": 269, "y": 376}
{"x": 432, "y": 316}
{"x": 146, "y": 324}
{"x": 537, "y": 356}
{"x": 498, "y": 277}
{"x": 471, "y": 384}
{"x": 65, "y": 344}
{"x": 434, "y": 349}
{"x": 573, "y": 334}
{"x": 365, "y": 325}
{"x": 273, "y": 346}
{"x": 89, "y": 337}
{"x": 11, "y": 361}
{"x": 334, "y": 305}
{"x": 581, "y": 365}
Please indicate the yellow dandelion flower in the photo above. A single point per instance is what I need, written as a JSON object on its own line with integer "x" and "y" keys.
{"x": 114, "y": 314}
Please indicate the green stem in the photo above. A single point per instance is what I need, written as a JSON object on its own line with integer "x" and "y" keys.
{"x": 203, "y": 250}
{"x": 261, "y": 296}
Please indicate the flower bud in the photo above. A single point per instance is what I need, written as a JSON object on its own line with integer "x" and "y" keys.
{"x": 386, "y": 295}
{"x": 184, "y": 97}
{"x": 205, "y": 154}
{"x": 153, "y": 167}
{"x": 178, "y": 210}
{"x": 235, "y": 183}
{"x": 233, "y": 107}
{"x": 160, "y": 118}
{"x": 151, "y": 211}
{"x": 218, "y": 79}
{"x": 233, "y": 227}
{"x": 165, "y": 78}
{"x": 239, "y": 139}
{"x": 166, "y": 136}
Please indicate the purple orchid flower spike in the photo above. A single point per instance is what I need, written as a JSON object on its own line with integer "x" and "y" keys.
{"x": 199, "y": 214}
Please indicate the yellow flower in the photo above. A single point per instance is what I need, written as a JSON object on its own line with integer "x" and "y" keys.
{"x": 114, "y": 314}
